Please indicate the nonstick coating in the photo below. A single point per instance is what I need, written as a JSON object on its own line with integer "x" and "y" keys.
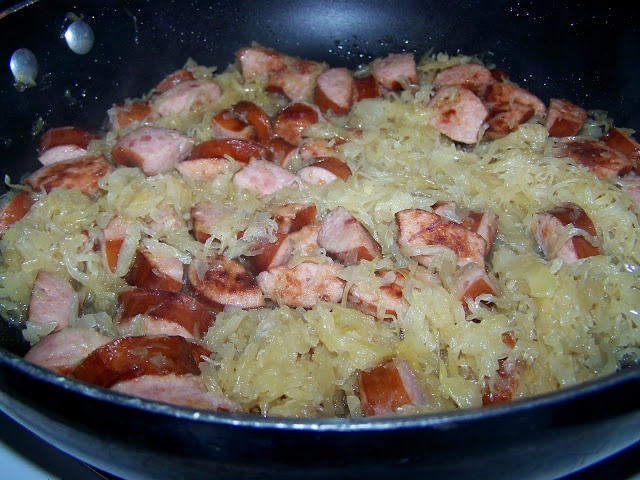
{"x": 584, "y": 51}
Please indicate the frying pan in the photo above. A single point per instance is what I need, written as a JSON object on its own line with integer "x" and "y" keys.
{"x": 583, "y": 51}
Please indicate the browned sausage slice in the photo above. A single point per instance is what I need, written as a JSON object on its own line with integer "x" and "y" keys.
{"x": 473, "y": 76}
{"x": 508, "y": 93}
{"x": 186, "y": 97}
{"x": 222, "y": 281}
{"x": 227, "y": 124}
{"x": 14, "y": 209}
{"x": 387, "y": 300}
{"x": 257, "y": 118}
{"x": 388, "y": 387}
{"x": 156, "y": 271}
{"x": 472, "y": 282}
{"x": 624, "y": 143}
{"x": 564, "y": 118}
{"x": 604, "y": 161}
{"x": 548, "y": 230}
{"x": 290, "y": 121}
{"x": 395, "y": 68}
{"x": 324, "y": 170}
{"x": 263, "y": 177}
{"x": 61, "y": 351}
{"x": 60, "y": 153}
{"x": 202, "y": 169}
{"x": 346, "y": 239}
{"x": 188, "y": 316}
{"x": 185, "y": 390}
{"x": 65, "y": 136}
{"x": 132, "y": 357}
{"x": 153, "y": 149}
{"x": 419, "y": 227}
{"x": 259, "y": 61}
{"x": 240, "y": 150}
{"x": 53, "y": 299}
{"x": 207, "y": 215}
{"x": 297, "y": 80}
{"x": 458, "y": 113}
{"x": 335, "y": 91}
{"x": 291, "y": 217}
{"x": 366, "y": 87}
{"x": 304, "y": 285}
{"x": 283, "y": 151}
{"x": 79, "y": 173}
{"x": 126, "y": 113}
{"x": 173, "y": 79}
{"x": 505, "y": 118}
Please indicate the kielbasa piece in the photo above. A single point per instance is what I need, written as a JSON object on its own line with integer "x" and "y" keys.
{"x": 173, "y": 79}
{"x": 473, "y": 76}
{"x": 65, "y": 136}
{"x": 60, "y": 153}
{"x": 14, "y": 209}
{"x": 259, "y": 61}
{"x": 418, "y": 227}
{"x": 324, "y": 170}
{"x": 472, "y": 281}
{"x": 126, "y": 113}
{"x": 53, "y": 299}
{"x": 334, "y": 91}
{"x": 263, "y": 177}
{"x": 283, "y": 151}
{"x": 503, "y": 387}
{"x": 172, "y": 307}
{"x": 304, "y": 285}
{"x": 457, "y": 113}
{"x": 221, "y": 281}
{"x": 564, "y": 119}
{"x": 623, "y": 142}
{"x": 79, "y": 173}
{"x": 508, "y": 93}
{"x": 386, "y": 300}
{"x": 205, "y": 216}
{"x": 153, "y": 149}
{"x": 395, "y": 68}
{"x": 630, "y": 184}
{"x": 257, "y": 118}
{"x": 132, "y": 357}
{"x": 484, "y": 224}
{"x": 240, "y": 150}
{"x": 303, "y": 241}
{"x": 386, "y": 388}
{"x": 290, "y": 121}
{"x": 346, "y": 239}
{"x": 184, "y": 390}
{"x": 291, "y": 217}
{"x": 155, "y": 271}
{"x": 297, "y": 80}
{"x": 113, "y": 236}
{"x": 203, "y": 168}
{"x": 549, "y": 229}
{"x": 365, "y": 87}
{"x": 61, "y": 351}
{"x": 227, "y": 124}
{"x": 604, "y": 161}
{"x": 505, "y": 118}
{"x": 186, "y": 97}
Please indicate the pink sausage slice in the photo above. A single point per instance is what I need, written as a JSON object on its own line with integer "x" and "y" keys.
{"x": 392, "y": 69}
{"x": 335, "y": 91}
{"x": 564, "y": 118}
{"x": 81, "y": 173}
{"x": 153, "y": 149}
{"x": 53, "y": 299}
{"x": 473, "y": 76}
{"x": 458, "y": 113}
{"x": 388, "y": 387}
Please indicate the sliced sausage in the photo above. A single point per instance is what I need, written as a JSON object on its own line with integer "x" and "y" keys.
{"x": 387, "y": 300}
{"x": 240, "y": 150}
{"x": 221, "y": 281}
{"x": 113, "y": 236}
{"x": 263, "y": 177}
{"x": 347, "y": 239}
{"x": 395, "y": 69}
{"x": 227, "y": 124}
{"x": 304, "y": 285}
{"x": 505, "y": 118}
{"x": 153, "y": 149}
{"x": 58, "y": 136}
{"x": 550, "y": 232}
{"x": 173, "y": 79}
{"x": 53, "y": 299}
{"x": 484, "y": 224}
{"x": 457, "y": 113}
{"x": 602, "y": 160}
{"x": 504, "y": 385}
{"x": 388, "y": 387}
{"x": 255, "y": 116}
{"x": 473, "y": 76}
{"x": 291, "y": 217}
{"x": 303, "y": 241}
{"x": 127, "y": 113}
{"x": 564, "y": 119}
{"x": 297, "y": 80}
{"x": 623, "y": 142}
{"x": 501, "y": 93}
{"x": 283, "y": 151}
{"x": 259, "y": 61}
{"x": 188, "y": 316}
{"x": 202, "y": 169}
{"x": 292, "y": 120}
{"x": 186, "y": 97}
{"x": 471, "y": 282}
{"x": 131, "y": 357}
{"x": 185, "y": 390}
{"x": 205, "y": 216}
{"x": 61, "y": 351}
{"x": 81, "y": 174}
{"x": 418, "y": 227}
{"x": 155, "y": 271}
{"x": 324, "y": 170}
{"x": 335, "y": 91}
{"x": 366, "y": 87}
{"x": 60, "y": 153}
{"x": 14, "y": 209}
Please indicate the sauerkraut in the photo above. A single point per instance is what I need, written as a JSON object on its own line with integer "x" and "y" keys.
{"x": 565, "y": 322}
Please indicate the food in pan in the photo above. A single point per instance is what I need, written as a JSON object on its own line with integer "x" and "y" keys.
{"x": 287, "y": 238}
